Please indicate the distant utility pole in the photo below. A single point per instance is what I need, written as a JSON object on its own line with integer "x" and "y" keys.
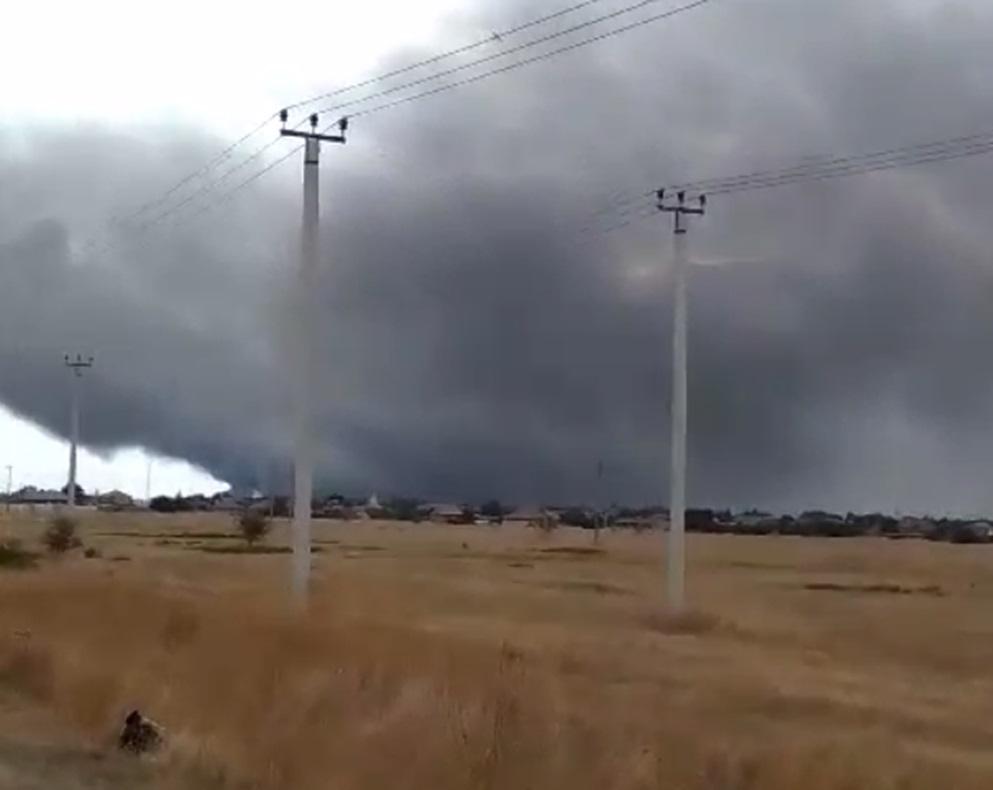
{"x": 303, "y": 354}
{"x": 601, "y": 517}
{"x": 76, "y": 367}
{"x": 148, "y": 480}
{"x": 676, "y": 548}
{"x": 10, "y": 485}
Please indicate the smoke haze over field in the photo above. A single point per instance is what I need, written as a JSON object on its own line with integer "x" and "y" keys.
{"x": 474, "y": 343}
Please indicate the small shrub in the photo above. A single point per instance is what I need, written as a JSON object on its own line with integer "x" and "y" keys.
{"x": 547, "y": 525}
{"x": 14, "y": 557}
{"x": 254, "y": 526}
{"x": 92, "y": 553}
{"x": 60, "y": 536}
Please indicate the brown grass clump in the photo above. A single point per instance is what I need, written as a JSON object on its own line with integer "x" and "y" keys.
{"x": 60, "y": 536}
{"x": 688, "y": 622}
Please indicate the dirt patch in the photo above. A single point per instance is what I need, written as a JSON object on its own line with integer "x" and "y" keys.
{"x": 692, "y": 623}
{"x": 250, "y": 549}
{"x": 878, "y": 589}
{"x": 573, "y": 551}
{"x": 758, "y": 565}
{"x": 583, "y": 585}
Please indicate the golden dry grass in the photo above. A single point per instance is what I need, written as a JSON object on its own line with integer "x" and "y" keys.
{"x": 504, "y": 658}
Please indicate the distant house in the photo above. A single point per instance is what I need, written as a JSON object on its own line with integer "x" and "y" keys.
{"x": 337, "y": 511}
{"x": 225, "y": 502}
{"x": 637, "y": 522}
{"x": 976, "y": 532}
{"x": 115, "y": 500}
{"x": 35, "y": 496}
{"x": 372, "y": 508}
{"x": 532, "y": 516}
{"x": 445, "y": 513}
{"x": 198, "y": 502}
{"x": 756, "y": 522}
{"x": 874, "y": 524}
{"x": 820, "y": 516}
{"x": 911, "y": 527}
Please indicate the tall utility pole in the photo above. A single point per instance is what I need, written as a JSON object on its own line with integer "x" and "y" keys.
{"x": 76, "y": 367}
{"x": 601, "y": 517}
{"x": 10, "y": 484}
{"x": 303, "y": 356}
{"x": 676, "y": 548}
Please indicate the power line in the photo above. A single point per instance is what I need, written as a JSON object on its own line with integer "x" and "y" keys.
{"x": 514, "y": 50}
{"x": 255, "y": 176}
{"x": 229, "y": 150}
{"x": 495, "y": 37}
{"x": 917, "y": 155}
{"x": 820, "y": 169}
{"x": 202, "y": 170}
{"x": 210, "y": 186}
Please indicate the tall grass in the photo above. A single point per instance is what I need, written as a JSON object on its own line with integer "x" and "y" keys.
{"x": 367, "y": 691}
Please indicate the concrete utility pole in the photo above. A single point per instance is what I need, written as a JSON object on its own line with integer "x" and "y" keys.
{"x": 676, "y": 548}
{"x": 148, "y": 480}
{"x": 601, "y": 517}
{"x": 303, "y": 353}
{"x": 76, "y": 367}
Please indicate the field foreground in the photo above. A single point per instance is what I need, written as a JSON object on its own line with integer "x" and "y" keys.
{"x": 477, "y": 657}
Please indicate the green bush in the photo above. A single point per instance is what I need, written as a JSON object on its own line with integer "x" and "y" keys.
{"x": 60, "y": 536}
{"x": 254, "y": 526}
{"x": 14, "y": 557}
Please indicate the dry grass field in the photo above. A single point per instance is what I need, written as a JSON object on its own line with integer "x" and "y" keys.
{"x": 477, "y": 657}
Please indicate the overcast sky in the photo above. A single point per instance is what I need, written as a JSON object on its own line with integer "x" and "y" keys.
{"x": 473, "y": 342}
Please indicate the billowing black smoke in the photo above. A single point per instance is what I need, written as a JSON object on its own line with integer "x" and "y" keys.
{"x": 474, "y": 343}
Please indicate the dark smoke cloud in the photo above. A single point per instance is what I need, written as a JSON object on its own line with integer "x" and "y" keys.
{"x": 474, "y": 343}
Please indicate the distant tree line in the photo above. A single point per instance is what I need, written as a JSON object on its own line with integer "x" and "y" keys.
{"x": 813, "y": 523}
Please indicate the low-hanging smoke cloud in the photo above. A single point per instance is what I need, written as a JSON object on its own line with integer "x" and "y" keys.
{"x": 474, "y": 343}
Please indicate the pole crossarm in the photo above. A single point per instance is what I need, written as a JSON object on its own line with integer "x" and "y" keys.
{"x": 313, "y": 134}
{"x": 679, "y": 209}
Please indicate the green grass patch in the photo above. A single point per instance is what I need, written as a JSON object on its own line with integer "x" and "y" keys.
{"x": 171, "y": 535}
{"x": 14, "y": 557}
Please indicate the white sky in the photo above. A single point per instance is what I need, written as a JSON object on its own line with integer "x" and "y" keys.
{"x": 223, "y": 65}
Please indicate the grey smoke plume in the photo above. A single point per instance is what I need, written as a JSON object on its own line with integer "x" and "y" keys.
{"x": 474, "y": 343}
